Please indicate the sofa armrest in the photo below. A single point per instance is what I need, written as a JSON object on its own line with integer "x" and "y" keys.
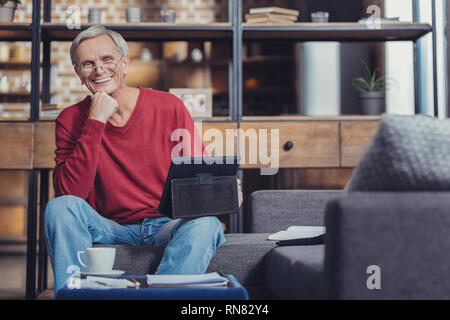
{"x": 388, "y": 246}
{"x": 275, "y": 210}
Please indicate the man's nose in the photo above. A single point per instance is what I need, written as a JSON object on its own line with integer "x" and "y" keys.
{"x": 98, "y": 68}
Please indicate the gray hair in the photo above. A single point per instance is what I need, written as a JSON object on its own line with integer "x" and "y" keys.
{"x": 94, "y": 32}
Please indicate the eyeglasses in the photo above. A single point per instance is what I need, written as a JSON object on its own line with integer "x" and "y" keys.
{"x": 109, "y": 65}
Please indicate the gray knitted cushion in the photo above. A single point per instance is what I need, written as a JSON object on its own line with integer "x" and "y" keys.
{"x": 407, "y": 153}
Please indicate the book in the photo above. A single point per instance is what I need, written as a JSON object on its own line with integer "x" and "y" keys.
{"x": 51, "y": 107}
{"x": 275, "y": 10}
{"x": 303, "y": 241}
{"x": 211, "y": 279}
{"x": 271, "y": 15}
{"x": 50, "y": 113}
{"x": 297, "y": 232}
{"x": 269, "y": 20}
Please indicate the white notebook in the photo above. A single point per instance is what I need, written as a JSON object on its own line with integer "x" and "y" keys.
{"x": 211, "y": 279}
{"x": 297, "y": 232}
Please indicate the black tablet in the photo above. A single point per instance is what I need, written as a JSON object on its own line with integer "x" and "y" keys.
{"x": 193, "y": 167}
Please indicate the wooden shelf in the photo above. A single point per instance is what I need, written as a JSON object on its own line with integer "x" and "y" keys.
{"x": 215, "y": 119}
{"x": 266, "y": 60}
{"x": 15, "y": 31}
{"x": 267, "y": 90}
{"x": 16, "y": 94}
{"x": 21, "y": 200}
{"x": 15, "y": 65}
{"x": 212, "y": 119}
{"x": 354, "y": 32}
{"x": 351, "y": 31}
{"x": 279, "y": 118}
{"x": 258, "y": 61}
{"x": 14, "y": 118}
{"x": 311, "y": 118}
{"x": 148, "y": 31}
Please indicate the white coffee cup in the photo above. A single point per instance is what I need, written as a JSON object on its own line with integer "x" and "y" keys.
{"x": 99, "y": 260}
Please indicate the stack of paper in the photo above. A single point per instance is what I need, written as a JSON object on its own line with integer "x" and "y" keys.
{"x": 268, "y": 15}
{"x": 212, "y": 279}
{"x": 297, "y": 232}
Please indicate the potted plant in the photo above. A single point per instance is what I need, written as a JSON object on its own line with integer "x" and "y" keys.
{"x": 7, "y": 10}
{"x": 371, "y": 89}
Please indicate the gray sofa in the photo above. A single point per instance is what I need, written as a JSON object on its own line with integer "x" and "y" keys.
{"x": 251, "y": 258}
{"x": 406, "y": 235}
{"x": 382, "y": 243}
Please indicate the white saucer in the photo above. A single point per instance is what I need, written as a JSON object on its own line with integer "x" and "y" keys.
{"x": 111, "y": 274}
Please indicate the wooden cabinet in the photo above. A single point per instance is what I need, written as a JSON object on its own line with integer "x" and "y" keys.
{"x": 308, "y": 143}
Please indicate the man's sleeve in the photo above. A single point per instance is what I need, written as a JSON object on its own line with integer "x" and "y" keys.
{"x": 77, "y": 159}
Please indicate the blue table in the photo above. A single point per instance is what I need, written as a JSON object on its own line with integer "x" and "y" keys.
{"x": 234, "y": 291}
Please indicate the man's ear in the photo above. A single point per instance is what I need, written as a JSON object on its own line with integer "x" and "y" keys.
{"x": 126, "y": 62}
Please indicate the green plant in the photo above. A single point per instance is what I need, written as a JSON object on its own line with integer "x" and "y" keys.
{"x": 370, "y": 82}
{"x": 5, "y": 1}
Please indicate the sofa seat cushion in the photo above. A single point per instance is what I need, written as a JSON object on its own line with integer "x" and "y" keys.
{"x": 294, "y": 272}
{"x": 242, "y": 255}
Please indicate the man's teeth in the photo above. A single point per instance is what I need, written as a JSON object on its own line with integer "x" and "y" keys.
{"x": 102, "y": 80}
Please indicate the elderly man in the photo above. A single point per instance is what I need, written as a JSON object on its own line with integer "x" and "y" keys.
{"x": 112, "y": 158}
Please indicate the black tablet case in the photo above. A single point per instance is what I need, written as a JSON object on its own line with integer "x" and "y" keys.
{"x": 192, "y": 198}
{"x": 200, "y": 190}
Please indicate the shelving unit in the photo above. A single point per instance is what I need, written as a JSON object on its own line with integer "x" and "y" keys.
{"x": 15, "y": 32}
{"x": 341, "y": 153}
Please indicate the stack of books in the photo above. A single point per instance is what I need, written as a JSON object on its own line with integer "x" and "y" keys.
{"x": 271, "y": 15}
{"x": 50, "y": 110}
{"x": 212, "y": 279}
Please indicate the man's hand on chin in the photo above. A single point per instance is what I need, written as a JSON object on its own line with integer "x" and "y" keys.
{"x": 103, "y": 106}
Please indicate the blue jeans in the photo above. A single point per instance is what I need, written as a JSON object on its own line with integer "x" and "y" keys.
{"x": 71, "y": 224}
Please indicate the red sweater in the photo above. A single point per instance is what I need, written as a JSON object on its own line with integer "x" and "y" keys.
{"x": 121, "y": 171}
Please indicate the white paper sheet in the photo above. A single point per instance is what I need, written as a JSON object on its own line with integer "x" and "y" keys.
{"x": 297, "y": 232}
{"x": 207, "y": 279}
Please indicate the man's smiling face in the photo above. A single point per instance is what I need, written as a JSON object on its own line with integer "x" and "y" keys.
{"x": 100, "y": 65}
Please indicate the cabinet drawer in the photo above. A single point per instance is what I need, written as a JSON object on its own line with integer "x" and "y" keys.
{"x": 355, "y": 136}
{"x": 214, "y": 136}
{"x": 300, "y": 144}
{"x": 16, "y": 141}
